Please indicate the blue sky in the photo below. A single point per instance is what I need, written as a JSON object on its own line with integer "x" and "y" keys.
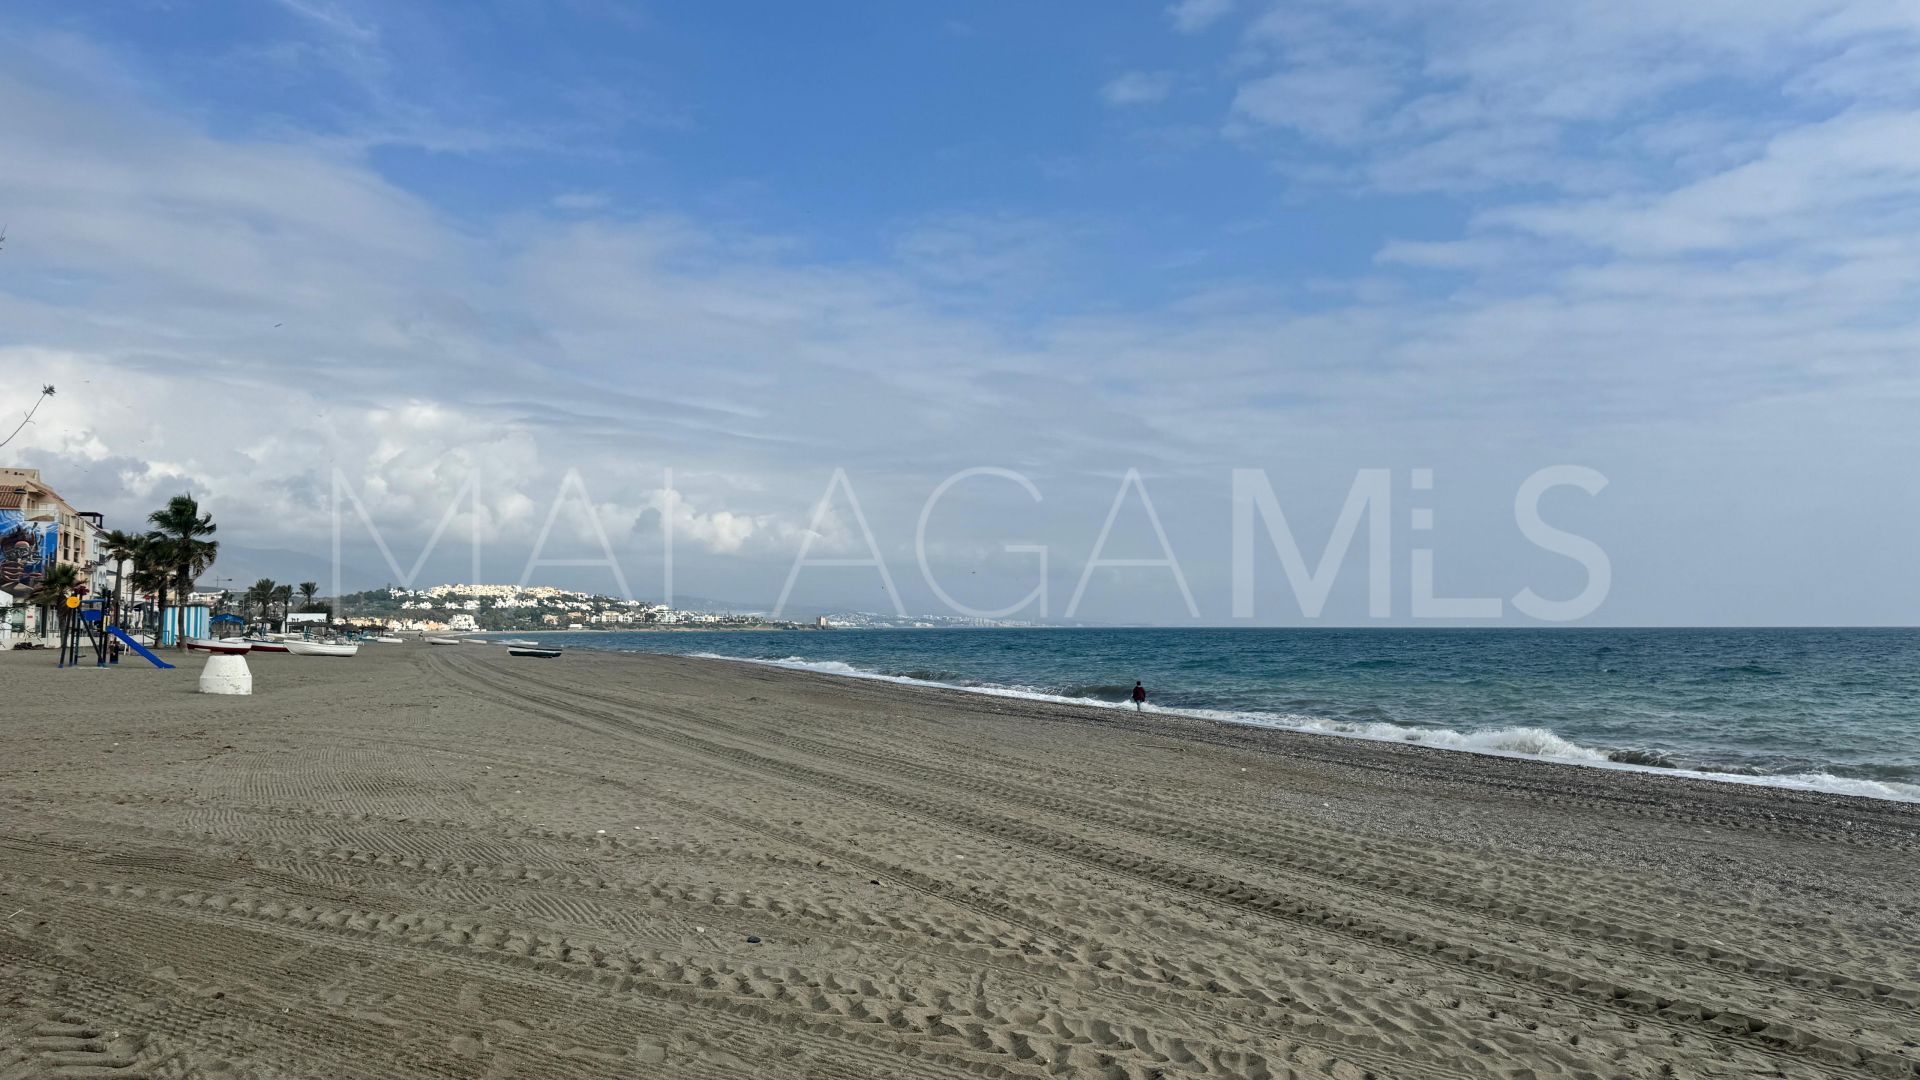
{"x": 258, "y": 243}
{"x": 848, "y": 132}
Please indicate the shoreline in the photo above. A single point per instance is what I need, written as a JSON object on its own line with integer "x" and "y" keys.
{"x": 1573, "y": 754}
{"x": 427, "y": 861}
{"x": 1333, "y": 747}
{"x": 1815, "y": 783}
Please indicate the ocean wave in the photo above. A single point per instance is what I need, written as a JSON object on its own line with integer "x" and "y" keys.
{"x": 1532, "y": 742}
{"x": 1535, "y": 743}
{"x": 1108, "y": 692}
{"x": 934, "y": 675}
{"x": 1653, "y": 759}
{"x": 827, "y": 667}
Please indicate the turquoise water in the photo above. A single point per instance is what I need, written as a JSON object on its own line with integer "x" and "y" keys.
{"x": 1836, "y": 710}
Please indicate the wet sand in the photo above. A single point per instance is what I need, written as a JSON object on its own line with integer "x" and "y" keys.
{"x": 443, "y": 861}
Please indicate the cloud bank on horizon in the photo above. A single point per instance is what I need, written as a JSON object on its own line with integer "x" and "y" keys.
{"x": 262, "y": 247}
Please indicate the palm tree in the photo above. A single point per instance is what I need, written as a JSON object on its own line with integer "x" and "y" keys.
{"x": 184, "y": 529}
{"x": 260, "y": 594}
{"x": 308, "y": 590}
{"x": 283, "y": 595}
{"x": 155, "y": 576}
{"x": 55, "y": 586}
{"x": 123, "y": 548}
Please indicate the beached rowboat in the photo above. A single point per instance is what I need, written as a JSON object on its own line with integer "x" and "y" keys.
{"x": 545, "y": 654}
{"x": 218, "y": 645}
{"x": 388, "y": 640}
{"x": 262, "y": 645}
{"x": 321, "y": 648}
{"x": 443, "y": 641}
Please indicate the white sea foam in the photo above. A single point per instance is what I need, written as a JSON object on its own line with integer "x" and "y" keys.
{"x": 1522, "y": 742}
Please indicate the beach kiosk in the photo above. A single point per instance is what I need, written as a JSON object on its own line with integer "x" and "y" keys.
{"x": 187, "y": 621}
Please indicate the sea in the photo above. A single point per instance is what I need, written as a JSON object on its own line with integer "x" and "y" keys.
{"x": 1834, "y": 710}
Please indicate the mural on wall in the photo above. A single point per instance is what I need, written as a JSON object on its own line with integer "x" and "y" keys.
{"x": 26, "y": 550}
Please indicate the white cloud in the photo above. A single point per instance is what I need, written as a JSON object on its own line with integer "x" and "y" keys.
{"x": 986, "y": 254}
{"x": 582, "y": 201}
{"x": 720, "y": 531}
{"x": 1499, "y": 92}
{"x": 1475, "y": 254}
{"x": 254, "y": 312}
{"x": 333, "y": 18}
{"x": 1810, "y": 186}
{"x": 1138, "y": 88}
{"x": 1193, "y": 16}
{"x": 1338, "y": 104}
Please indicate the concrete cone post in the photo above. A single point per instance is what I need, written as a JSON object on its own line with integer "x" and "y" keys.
{"x": 226, "y": 673}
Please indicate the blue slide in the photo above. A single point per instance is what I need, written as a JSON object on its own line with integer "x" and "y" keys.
{"x": 137, "y": 647}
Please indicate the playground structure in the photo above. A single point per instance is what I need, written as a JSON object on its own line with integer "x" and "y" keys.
{"x": 85, "y": 622}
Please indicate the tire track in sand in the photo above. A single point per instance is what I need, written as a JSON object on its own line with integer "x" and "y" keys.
{"x": 1726, "y": 1027}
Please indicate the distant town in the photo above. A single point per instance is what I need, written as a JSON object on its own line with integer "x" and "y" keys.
{"x": 467, "y": 608}
{"x": 155, "y": 583}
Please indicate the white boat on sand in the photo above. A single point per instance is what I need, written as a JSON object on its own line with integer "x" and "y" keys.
{"x": 263, "y": 645}
{"x": 219, "y": 645}
{"x": 443, "y": 641}
{"x": 388, "y": 640}
{"x": 321, "y": 648}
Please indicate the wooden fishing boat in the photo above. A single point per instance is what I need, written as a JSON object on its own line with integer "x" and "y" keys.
{"x": 388, "y": 640}
{"x": 443, "y": 641}
{"x": 544, "y": 654}
{"x": 263, "y": 645}
{"x": 321, "y": 648}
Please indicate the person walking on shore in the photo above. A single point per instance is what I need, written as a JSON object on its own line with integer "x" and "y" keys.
{"x": 1139, "y": 696}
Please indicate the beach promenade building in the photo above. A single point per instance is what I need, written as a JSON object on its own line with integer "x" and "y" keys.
{"x": 39, "y": 530}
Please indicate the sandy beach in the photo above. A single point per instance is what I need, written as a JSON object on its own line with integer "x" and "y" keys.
{"x": 443, "y": 861}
